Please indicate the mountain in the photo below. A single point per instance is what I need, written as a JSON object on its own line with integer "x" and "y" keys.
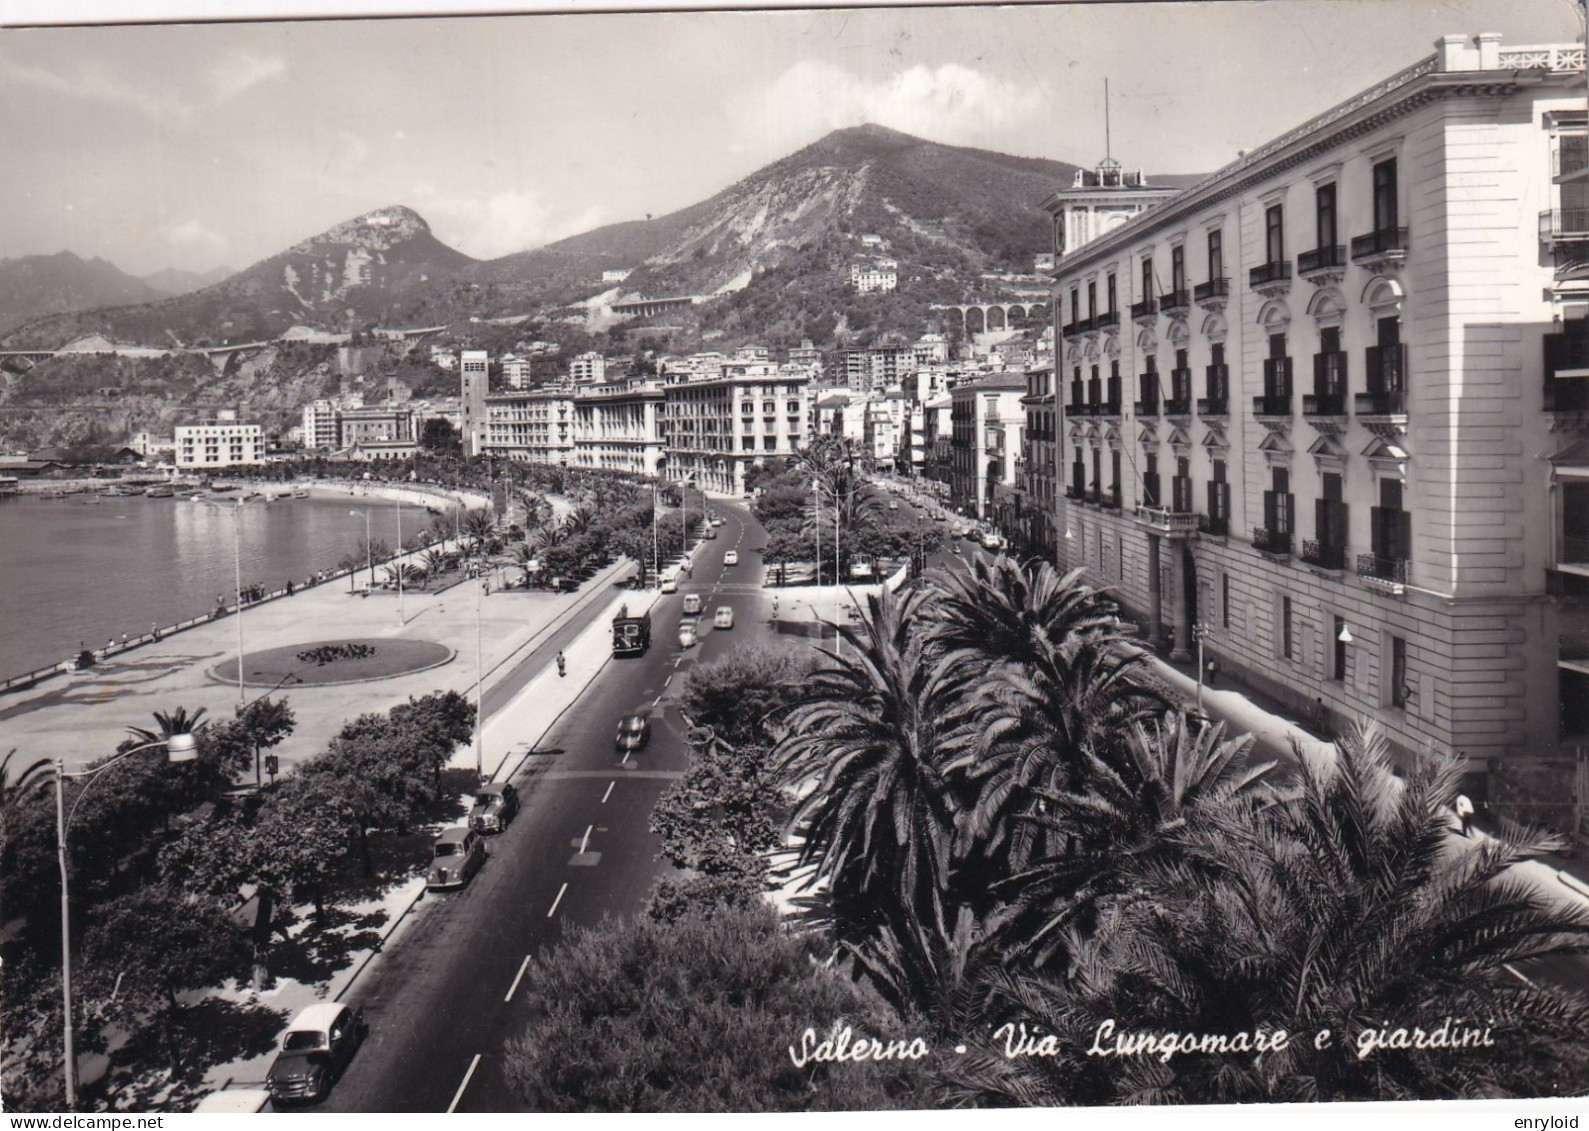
{"x": 170, "y": 281}
{"x": 382, "y": 265}
{"x": 38, "y": 285}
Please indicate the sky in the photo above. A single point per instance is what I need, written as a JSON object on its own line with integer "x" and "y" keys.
{"x": 197, "y": 145}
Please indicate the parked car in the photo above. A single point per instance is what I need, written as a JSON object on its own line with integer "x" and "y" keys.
{"x": 634, "y": 731}
{"x": 892, "y": 505}
{"x": 724, "y": 617}
{"x": 692, "y": 604}
{"x": 731, "y": 558}
{"x": 455, "y": 857}
{"x": 687, "y": 636}
{"x": 315, "y": 1050}
{"x": 992, "y": 542}
{"x": 709, "y": 532}
{"x": 495, "y": 804}
{"x": 716, "y": 521}
{"x": 670, "y": 585}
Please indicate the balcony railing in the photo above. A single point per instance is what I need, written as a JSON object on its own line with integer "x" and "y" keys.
{"x": 1147, "y": 308}
{"x": 1075, "y": 493}
{"x": 1385, "y": 242}
{"x": 1380, "y": 404}
{"x": 1213, "y": 406}
{"x": 1391, "y": 571}
{"x": 1167, "y": 520}
{"x": 1564, "y": 224}
{"x": 1175, "y": 301}
{"x": 1108, "y": 320}
{"x": 1268, "y": 274}
{"x": 1271, "y": 405}
{"x": 1148, "y": 406}
{"x": 1323, "y": 404}
{"x": 1216, "y": 525}
{"x": 1271, "y": 541}
{"x": 1212, "y": 291}
{"x": 1323, "y": 555}
{"x": 1321, "y": 259}
{"x": 1110, "y": 407}
{"x": 1177, "y": 406}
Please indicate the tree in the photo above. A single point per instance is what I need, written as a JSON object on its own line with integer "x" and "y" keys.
{"x": 695, "y": 1015}
{"x": 736, "y": 695}
{"x": 439, "y": 436}
{"x": 153, "y": 944}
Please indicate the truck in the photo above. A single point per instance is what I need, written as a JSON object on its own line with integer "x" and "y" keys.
{"x": 631, "y": 636}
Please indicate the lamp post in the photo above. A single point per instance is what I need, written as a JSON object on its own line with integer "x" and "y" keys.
{"x": 401, "y": 564}
{"x": 1199, "y": 633}
{"x": 479, "y": 672}
{"x": 656, "y": 550}
{"x": 369, "y": 548}
{"x": 179, "y": 748}
{"x": 237, "y": 558}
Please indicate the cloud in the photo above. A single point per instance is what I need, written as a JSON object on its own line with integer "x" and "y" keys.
{"x": 501, "y": 223}
{"x": 189, "y": 234}
{"x": 96, "y": 83}
{"x": 242, "y": 70}
{"x": 951, "y": 103}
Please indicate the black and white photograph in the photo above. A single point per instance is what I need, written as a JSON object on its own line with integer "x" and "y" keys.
{"x": 1136, "y": 457}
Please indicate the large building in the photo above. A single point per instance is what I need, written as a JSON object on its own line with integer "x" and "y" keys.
{"x": 1326, "y": 409}
{"x": 474, "y": 372}
{"x": 530, "y": 425}
{"x": 717, "y": 428}
{"x": 618, "y": 426}
{"x": 986, "y": 421}
{"x": 224, "y": 443}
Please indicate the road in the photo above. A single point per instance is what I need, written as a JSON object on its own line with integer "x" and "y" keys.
{"x": 443, "y": 1002}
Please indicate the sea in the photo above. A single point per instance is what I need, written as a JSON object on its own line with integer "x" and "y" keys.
{"x": 76, "y": 573}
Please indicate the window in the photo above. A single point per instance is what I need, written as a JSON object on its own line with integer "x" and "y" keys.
{"x": 1277, "y": 502}
{"x": 1338, "y": 665}
{"x": 1218, "y": 499}
{"x": 1120, "y": 558}
{"x": 1075, "y": 306}
{"x": 1399, "y": 691}
{"x": 1150, "y": 480}
{"x": 1324, "y": 215}
{"x": 1097, "y": 471}
{"x": 1092, "y": 301}
{"x": 1182, "y": 486}
{"x": 1109, "y": 294}
{"x": 1147, "y": 277}
{"x": 1114, "y": 467}
{"x": 1216, "y": 254}
{"x": 1177, "y": 268}
{"x": 1287, "y": 643}
{"x": 1274, "y": 234}
{"x": 1391, "y": 526}
{"x": 1385, "y": 213}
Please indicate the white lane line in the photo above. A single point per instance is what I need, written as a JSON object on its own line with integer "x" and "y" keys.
{"x": 556, "y": 901}
{"x": 670, "y": 674}
{"x": 625, "y": 760}
{"x": 584, "y": 841}
{"x": 514, "y": 988}
{"x": 458, "y": 1095}
{"x": 608, "y": 793}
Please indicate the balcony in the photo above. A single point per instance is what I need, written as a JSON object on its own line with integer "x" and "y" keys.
{"x": 1110, "y": 407}
{"x": 1323, "y": 264}
{"x": 1148, "y": 406}
{"x": 1111, "y": 499}
{"x": 1391, "y": 405}
{"x": 1271, "y": 278}
{"x": 1214, "y": 525}
{"x": 1178, "y": 406}
{"x": 1075, "y": 493}
{"x": 1147, "y": 308}
{"x": 1108, "y": 320}
{"x": 1563, "y": 225}
{"x": 1167, "y": 521}
{"x": 1322, "y": 555}
{"x": 1073, "y": 329}
{"x": 1383, "y": 575}
{"x": 1176, "y": 302}
{"x": 1212, "y": 294}
{"x": 1315, "y": 405}
{"x": 1276, "y": 543}
{"x": 1217, "y": 403}
{"x": 1272, "y": 406}
{"x": 1213, "y": 406}
{"x": 1567, "y": 369}
{"x": 1388, "y": 245}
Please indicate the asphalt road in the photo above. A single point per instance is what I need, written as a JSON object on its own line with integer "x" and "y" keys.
{"x": 445, "y": 998}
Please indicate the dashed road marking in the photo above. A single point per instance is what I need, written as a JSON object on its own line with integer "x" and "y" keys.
{"x": 556, "y": 901}
{"x": 608, "y": 793}
{"x": 514, "y": 988}
{"x": 458, "y": 1095}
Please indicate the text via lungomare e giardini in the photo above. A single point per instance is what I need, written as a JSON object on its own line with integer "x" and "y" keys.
{"x": 1018, "y": 1040}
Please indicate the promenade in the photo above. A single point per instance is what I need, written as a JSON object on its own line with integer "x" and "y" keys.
{"x": 81, "y": 716}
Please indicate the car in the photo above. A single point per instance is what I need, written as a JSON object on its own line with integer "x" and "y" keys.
{"x": 692, "y": 604}
{"x": 731, "y": 558}
{"x": 634, "y": 731}
{"x": 709, "y": 532}
{"x": 455, "y": 857}
{"x": 687, "y": 636}
{"x": 716, "y": 521}
{"x": 940, "y": 517}
{"x": 670, "y": 585}
{"x": 495, "y": 804}
{"x": 315, "y": 1050}
{"x": 992, "y": 542}
{"x": 892, "y": 505}
{"x": 724, "y": 618}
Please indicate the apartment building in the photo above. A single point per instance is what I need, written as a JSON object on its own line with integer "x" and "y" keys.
{"x": 587, "y": 368}
{"x": 717, "y": 428}
{"x": 1041, "y": 477}
{"x": 986, "y": 423}
{"x": 224, "y": 443}
{"x": 1325, "y": 411}
{"x": 530, "y": 425}
{"x": 618, "y": 426}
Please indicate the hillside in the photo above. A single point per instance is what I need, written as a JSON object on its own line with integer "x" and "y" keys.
{"x": 170, "y": 281}
{"x": 38, "y": 285}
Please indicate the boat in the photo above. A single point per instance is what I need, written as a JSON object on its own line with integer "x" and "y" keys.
{"x": 161, "y": 492}
{"x": 301, "y": 493}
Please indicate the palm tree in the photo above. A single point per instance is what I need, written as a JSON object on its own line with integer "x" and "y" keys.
{"x": 865, "y": 751}
{"x": 433, "y": 563}
{"x": 1351, "y": 907}
{"x": 178, "y": 721}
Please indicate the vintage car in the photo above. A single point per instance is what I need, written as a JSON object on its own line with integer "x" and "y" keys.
{"x": 456, "y": 856}
{"x": 731, "y": 558}
{"x": 495, "y": 804}
{"x": 724, "y": 617}
{"x": 634, "y": 731}
{"x": 314, "y": 1051}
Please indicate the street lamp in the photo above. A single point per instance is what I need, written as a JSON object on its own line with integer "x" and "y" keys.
{"x": 179, "y": 748}
{"x": 479, "y": 671}
{"x": 369, "y": 547}
{"x": 401, "y": 564}
{"x": 1199, "y": 633}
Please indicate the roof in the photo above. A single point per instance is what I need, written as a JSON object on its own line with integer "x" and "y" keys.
{"x": 454, "y": 835}
{"x": 321, "y": 1014}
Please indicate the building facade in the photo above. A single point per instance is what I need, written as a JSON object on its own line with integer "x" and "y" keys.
{"x": 1319, "y": 412}
{"x": 474, "y": 375}
{"x": 716, "y": 429}
{"x": 531, "y": 426}
{"x": 618, "y": 426}
{"x": 986, "y": 423}
{"x": 225, "y": 443}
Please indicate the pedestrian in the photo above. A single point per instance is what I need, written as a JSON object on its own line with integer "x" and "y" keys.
{"x": 289, "y": 587}
{"x": 562, "y": 666}
{"x": 110, "y": 645}
{"x": 124, "y": 640}
{"x": 1464, "y": 809}
{"x": 154, "y": 630}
